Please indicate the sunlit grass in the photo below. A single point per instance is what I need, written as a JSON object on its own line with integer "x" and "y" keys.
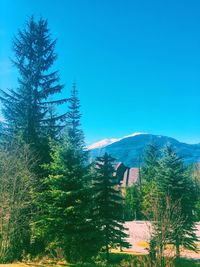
{"x": 143, "y": 244}
{"x": 117, "y": 259}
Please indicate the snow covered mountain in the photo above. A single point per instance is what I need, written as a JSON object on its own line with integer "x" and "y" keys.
{"x": 130, "y": 149}
{"x": 102, "y": 143}
{"x": 105, "y": 142}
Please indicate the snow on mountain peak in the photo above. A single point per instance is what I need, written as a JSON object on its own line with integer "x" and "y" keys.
{"x": 133, "y": 134}
{"x": 105, "y": 142}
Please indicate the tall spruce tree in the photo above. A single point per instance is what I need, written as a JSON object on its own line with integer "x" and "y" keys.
{"x": 132, "y": 203}
{"x": 175, "y": 184}
{"x": 28, "y": 109}
{"x": 150, "y": 163}
{"x": 108, "y": 203}
{"x": 149, "y": 173}
{"x": 66, "y": 199}
{"x": 73, "y": 119}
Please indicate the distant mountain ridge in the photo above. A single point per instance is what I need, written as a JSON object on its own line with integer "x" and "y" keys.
{"x": 107, "y": 141}
{"x": 130, "y": 149}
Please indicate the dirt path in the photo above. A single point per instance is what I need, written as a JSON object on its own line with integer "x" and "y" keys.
{"x": 139, "y": 234}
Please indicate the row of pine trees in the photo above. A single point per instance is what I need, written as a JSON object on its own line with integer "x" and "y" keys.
{"x": 167, "y": 195}
{"x": 169, "y": 200}
{"x": 53, "y": 201}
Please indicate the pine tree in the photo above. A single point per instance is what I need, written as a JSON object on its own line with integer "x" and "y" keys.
{"x": 73, "y": 119}
{"x": 66, "y": 200}
{"x": 149, "y": 173}
{"x": 175, "y": 183}
{"x": 132, "y": 203}
{"x": 108, "y": 205}
{"x": 150, "y": 163}
{"x": 28, "y": 109}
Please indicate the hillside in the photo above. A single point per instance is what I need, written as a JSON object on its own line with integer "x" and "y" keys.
{"x": 130, "y": 150}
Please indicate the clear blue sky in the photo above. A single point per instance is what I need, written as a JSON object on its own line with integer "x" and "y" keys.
{"x": 136, "y": 62}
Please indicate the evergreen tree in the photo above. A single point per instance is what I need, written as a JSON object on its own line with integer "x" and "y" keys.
{"x": 73, "y": 119}
{"x": 149, "y": 173}
{"x": 108, "y": 208}
{"x": 132, "y": 203}
{"x": 28, "y": 109}
{"x": 196, "y": 179}
{"x": 150, "y": 195}
{"x": 65, "y": 202}
{"x": 175, "y": 183}
{"x": 150, "y": 163}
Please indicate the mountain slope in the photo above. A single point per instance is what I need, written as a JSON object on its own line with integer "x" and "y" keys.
{"x": 105, "y": 142}
{"x": 130, "y": 150}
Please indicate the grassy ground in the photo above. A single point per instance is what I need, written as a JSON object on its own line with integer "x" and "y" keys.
{"x": 117, "y": 260}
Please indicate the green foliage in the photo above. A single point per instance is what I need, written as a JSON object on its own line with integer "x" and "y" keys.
{"x": 169, "y": 198}
{"x": 77, "y": 209}
{"x": 16, "y": 183}
{"x": 108, "y": 205}
{"x": 186, "y": 263}
{"x": 150, "y": 194}
{"x": 132, "y": 203}
{"x": 196, "y": 180}
{"x": 66, "y": 200}
{"x": 149, "y": 186}
{"x": 73, "y": 119}
{"x": 197, "y": 211}
{"x": 150, "y": 163}
{"x": 175, "y": 183}
{"x": 28, "y": 111}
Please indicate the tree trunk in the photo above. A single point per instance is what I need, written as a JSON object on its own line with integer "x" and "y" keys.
{"x": 177, "y": 249}
{"x": 107, "y": 253}
{"x": 107, "y": 244}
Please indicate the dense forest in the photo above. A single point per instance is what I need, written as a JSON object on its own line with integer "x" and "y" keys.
{"x": 54, "y": 200}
